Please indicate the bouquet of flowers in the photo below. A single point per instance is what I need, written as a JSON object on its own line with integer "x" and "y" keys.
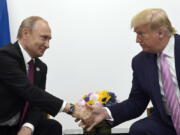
{"x": 101, "y": 99}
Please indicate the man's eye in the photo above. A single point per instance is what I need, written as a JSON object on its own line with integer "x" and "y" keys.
{"x": 43, "y": 38}
{"x": 142, "y": 34}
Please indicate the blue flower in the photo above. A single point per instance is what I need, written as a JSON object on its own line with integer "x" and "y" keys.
{"x": 86, "y": 99}
{"x": 113, "y": 97}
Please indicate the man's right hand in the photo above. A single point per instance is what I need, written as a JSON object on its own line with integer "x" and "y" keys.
{"x": 82, "y": 113}
{"x": 25, "y": 131}
{"x": 91, "y": 116}
{"x": 79, "y": 112}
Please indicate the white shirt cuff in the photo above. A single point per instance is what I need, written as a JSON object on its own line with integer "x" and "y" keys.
{"x": 109, "y": 113}
{"x": 29, "y": 125}
{"x": 63, "y": 106}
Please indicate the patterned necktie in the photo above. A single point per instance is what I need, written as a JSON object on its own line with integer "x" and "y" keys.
{"x": 31, "y": 79}
{"x": 170, "y": 94}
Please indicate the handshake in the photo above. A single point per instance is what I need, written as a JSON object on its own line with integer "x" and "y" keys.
{"x": 90, "y": 110}
{"x": 88, "y": 116}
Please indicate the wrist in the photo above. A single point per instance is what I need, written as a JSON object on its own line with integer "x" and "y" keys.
{"x": 28, "y": 125}
{"x": 106, "y": 115}
{"x": 71, "y": 109}
{"x": 66, "y": 108}
{"x": 25, "y": 130}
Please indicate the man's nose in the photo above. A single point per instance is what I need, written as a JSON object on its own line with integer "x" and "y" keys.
{"x": 138, "y": 40}
{"x": 46, "y": 44}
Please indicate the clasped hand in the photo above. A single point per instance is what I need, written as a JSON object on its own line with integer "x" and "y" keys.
{"x": 89, "y": 116}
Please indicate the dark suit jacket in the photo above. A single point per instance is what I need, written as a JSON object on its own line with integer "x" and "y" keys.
{"x": 145, "y": 87}
{"x": 16, "y": 89}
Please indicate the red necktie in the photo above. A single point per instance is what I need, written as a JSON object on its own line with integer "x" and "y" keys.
{"x": 31, "y": 79}
{"x": 170, "y": 94}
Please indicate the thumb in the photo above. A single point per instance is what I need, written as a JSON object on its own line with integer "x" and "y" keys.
{"x": 89, "y": 106}
{"x": 77, "y": 119}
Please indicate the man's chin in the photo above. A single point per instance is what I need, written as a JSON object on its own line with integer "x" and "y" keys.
{"x": 145, "y": 50}
{"x": 40, "y": 54}
{"x": 149, "y": 51}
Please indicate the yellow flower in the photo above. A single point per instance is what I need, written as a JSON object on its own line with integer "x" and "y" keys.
{"x": 90, "y": 102}
{"x": 103, "y": 97}
{"x": 84, "y": 96}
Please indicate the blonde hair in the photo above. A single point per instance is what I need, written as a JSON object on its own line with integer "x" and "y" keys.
{"x": 156, "y": 18}
{"x": 28, "y": 23}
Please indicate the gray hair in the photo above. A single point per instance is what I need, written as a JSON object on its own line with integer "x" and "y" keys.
{"x": 28, "y": 23}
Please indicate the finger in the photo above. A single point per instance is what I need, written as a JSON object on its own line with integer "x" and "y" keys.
{"x": 90, "y": 127}
{"x": 89, "y": 106}
{"x": 88, "y": 121}
{"x": 76, "y": 120}
{"x": 82, "y": 124}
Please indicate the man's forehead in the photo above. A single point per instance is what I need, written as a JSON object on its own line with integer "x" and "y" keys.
{"x": 45, "y": 33}
{"x": 143, "y": 27}
{"x": 41, "y": 24}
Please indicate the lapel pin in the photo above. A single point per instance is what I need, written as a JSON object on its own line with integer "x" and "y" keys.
{"x": 37, "y": 69}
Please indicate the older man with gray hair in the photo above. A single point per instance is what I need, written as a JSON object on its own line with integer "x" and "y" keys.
{"x": 24, "y": 101}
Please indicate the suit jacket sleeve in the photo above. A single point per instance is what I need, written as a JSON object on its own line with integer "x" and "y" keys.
{"x": 134, "y": 106}
{"x": 17, "y": 82}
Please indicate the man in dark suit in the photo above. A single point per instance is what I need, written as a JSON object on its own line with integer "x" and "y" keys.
{"x": 24, "y": 102}
{"x": 160, "y": 45}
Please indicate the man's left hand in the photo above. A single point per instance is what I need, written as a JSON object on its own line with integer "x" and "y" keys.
{"x": 25, "y": 131}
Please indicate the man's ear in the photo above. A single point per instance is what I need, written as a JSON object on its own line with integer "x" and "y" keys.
{"x": 25, "y": 33}
{"x": 161, "y": 33}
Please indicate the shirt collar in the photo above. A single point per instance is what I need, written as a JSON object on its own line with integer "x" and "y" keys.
{"x": 26, "y": 56}
{"x": 169, "y": 49}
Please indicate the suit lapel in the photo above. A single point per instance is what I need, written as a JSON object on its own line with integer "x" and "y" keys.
{"x": 177, "y": 57}
{"x": 21, "y": 58}
{"x": 37, "y": 73}
{"x": 154, "y": 83}
{"x": 154, "y": 78}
